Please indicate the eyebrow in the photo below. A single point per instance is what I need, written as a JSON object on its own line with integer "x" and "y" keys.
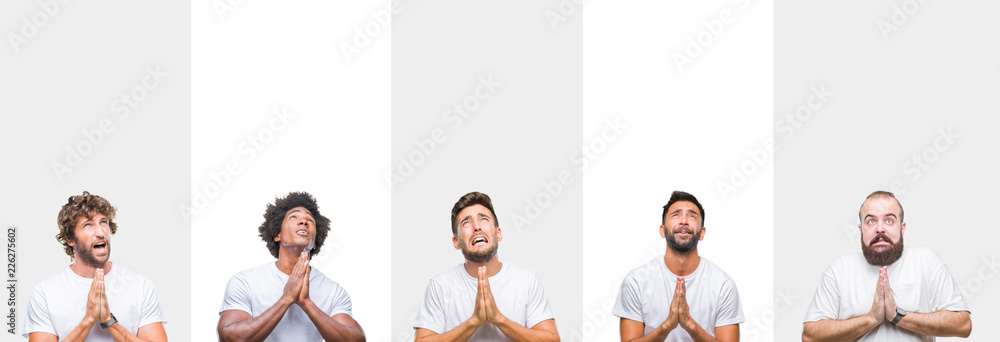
{"x": 873, "y": 216}
{"x": 297, "y": 210}
{"x": 688, "y": 210}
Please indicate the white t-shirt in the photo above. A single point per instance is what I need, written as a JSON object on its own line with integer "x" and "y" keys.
{"x": 711, "y": 295}
{"x": 257, "y": 289}
{"x": 450, "y": 300}
{"x": 58, "y": 304}
{"x": 919, "y": 280}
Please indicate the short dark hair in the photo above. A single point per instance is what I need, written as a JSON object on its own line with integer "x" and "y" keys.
{"x": 468, "y": 200}
{"x": 84, "y": 205}
{"x": 882, "y": 194}
{"x": 680, "y": 196}
{"x": 274, "y": 215}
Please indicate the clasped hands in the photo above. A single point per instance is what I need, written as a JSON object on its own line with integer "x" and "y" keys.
{"x": 97, "y": 300}
{"x": 297, "y": 288}
{"x": 486, "y": 307}
{"x": 884, "y": 305}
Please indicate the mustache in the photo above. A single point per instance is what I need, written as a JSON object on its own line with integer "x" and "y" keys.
{"x": 881, "y": 236}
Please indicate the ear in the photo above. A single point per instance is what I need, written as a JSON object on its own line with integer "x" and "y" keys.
{"x": 701, "y": 236}
{"x": 902, "y": 229}
{"x": 499, "y": 235}
{"x": 663, "y": 232}
{"x": 277, "y": 238}
{"x": 71, "y": 243}
{"x": 454, "y": 241}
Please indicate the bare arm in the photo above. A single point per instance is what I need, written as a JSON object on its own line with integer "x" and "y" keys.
{"x": 462, "y": 332}
{"x": 852, "y": 328}
{"x": 942, "y": 323}
{"x": 94, "y": 306}
{"x": 238, "y": 325}
{"x": 698, "y": 334}
{"x": 339, "y": 327}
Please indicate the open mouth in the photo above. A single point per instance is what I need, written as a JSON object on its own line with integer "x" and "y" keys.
{"x": 101, "y": 247}
{"x": 479, "y": 239}
{"x": 302, "y": 232}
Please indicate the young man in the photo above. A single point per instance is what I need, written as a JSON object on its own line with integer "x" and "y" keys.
{"x": 886, "y": 293}
{"x": 288, "y": 300}
{"x": 92, "y": 299}
{"x": 483, "y": 299}
{"x": 680, "y": 296}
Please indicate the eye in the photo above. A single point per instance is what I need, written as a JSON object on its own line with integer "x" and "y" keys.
{"x": 888, "y": 221}
{"x": 465, "y": 223}
{"x": 484, "y": 220}
{"x": 870, "y": 221}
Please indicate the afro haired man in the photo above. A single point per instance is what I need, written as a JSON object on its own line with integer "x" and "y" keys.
{"x": 288, "y": 300}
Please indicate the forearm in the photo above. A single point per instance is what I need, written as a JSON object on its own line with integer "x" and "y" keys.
{"x": 658, "y": 334}
{"x": 516, "y": 332}
{"x": 838, "y": 330}
{"x": 255, "y": 329}
{"x": 941, "y": 324}
{"x": 461, "y": 333}
{"x": 697, "y": 333}
{"x": 80, "y": 332}
{"x": 120, "y": 334}
{"x": 329, "y": 328}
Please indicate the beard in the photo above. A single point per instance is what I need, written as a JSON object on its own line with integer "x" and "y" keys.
{"x": 87, "y": 256}
{"x": 886, "y": 256}
{"x": 684, "y": 247}
{"x": 478, "y": 257}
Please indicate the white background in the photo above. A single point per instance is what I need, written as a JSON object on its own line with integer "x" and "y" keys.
{"x": 265, "y": 56}
{"x": 686, "y": 131}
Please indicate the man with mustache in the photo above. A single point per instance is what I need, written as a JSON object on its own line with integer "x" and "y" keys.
{"x": 288, "y": 300}
{"x": 483, "y": 299}
{"x": 886, "y": 293}
{"x": 679, "y": 296}
{"x": 93, "y": 299}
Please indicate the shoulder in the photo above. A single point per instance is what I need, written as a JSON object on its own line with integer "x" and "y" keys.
{"x": 452, "y": 274}
{"x": 516, "y": 272}
{"x": 922, "y": 254}
{"x": 846, "y": 261}
{"x": 319, "y": 278}
{"x": 645, "y": 271}
{"x": 715, "y": 273}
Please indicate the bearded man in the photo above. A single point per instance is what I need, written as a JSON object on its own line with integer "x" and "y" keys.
{"x": 886, "y": 293}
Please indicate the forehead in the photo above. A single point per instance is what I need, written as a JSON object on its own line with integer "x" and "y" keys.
{"x": 297, "y": 210}
{"x": 880, "y": 206}
{"x": 93, "y": 216}
{"x": 683, "y": 205}
{"x": 475, "y": 209}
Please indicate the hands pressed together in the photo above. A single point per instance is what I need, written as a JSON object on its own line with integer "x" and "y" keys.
{"x": 97, "y": 300}
{"x": 297, "y": 288}
{"x": 884, "y": 305}
{"x": 486, "y": 307}
{"x": 679, "y": 313}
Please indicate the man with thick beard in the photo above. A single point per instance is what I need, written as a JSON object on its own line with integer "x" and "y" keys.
{"x": 914, "y": 297}
{"x": 679, "y": 296}
{"x": 483, "y": 299}
{"x": 92, "y": 299}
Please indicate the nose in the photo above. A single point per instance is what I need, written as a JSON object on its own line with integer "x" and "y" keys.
{"x": 880, "y": 227}
{"x": 100, "y": 233}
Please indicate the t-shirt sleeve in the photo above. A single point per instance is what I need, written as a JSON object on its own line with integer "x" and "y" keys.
{"x": 431, "y": 314}
{"x": 826, "y": 302}
{"x": 945, "y": 293}
{"x": 341, "y": 302}
{"x": 150, "y": 311}
{"x": 730, "y": 308}
{"x": 538, "y": 304}
{"x": 628, "y": 304}
{"x": 237, "y": 295}
{"x": 38, "y": 314}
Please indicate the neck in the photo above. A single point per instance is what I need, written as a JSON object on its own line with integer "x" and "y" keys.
{"x": 287, "y": 257}
{"x": 86, "y": 270}
{"x": 492, "y": 267}
{"x": 682, "y": 264}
